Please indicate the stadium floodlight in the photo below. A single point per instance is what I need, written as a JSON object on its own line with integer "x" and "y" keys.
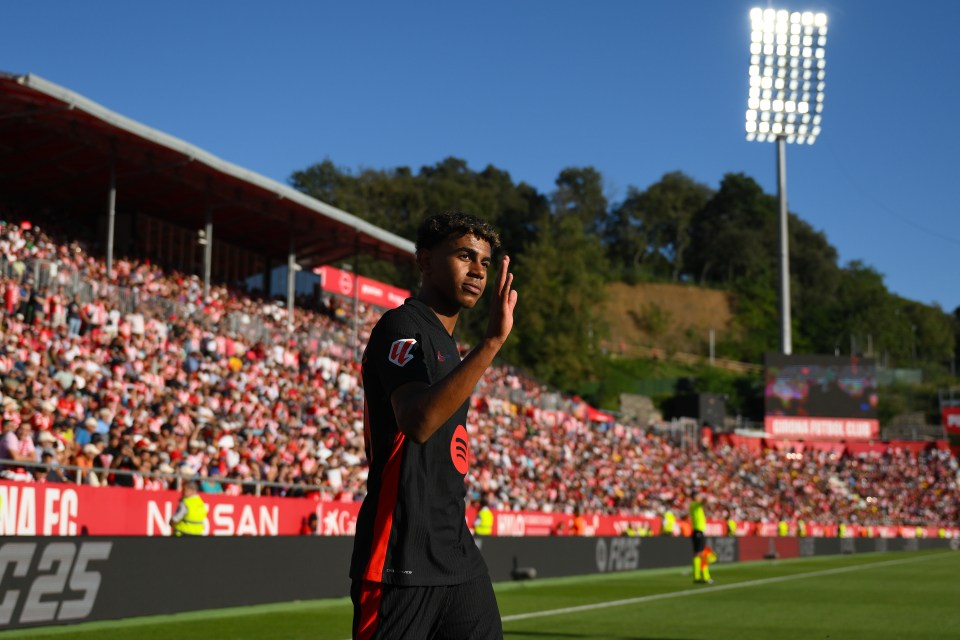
{"x": 785, "y": 105}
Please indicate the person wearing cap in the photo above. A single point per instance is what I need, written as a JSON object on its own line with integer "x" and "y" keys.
{"x": 86, "y": 459}
{"x": 191, "y": 513}
{"x": 51, "y": 473}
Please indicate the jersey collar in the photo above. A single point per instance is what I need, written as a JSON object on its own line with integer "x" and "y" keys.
{"x": 427, "y": 313}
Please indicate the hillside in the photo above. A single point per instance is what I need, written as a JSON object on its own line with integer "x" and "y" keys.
{"x": 664, "y": 320}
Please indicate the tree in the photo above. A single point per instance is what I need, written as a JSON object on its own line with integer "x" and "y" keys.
{"x": 628, "y": 240}
{"x": 814, "y": 279}
{"x": 560, "y": 279}
{"x": 664, "y": 211}
{"x": 734, "y": 235}
{"x": 956, "y": 336}
{"x": 580, "y": 194}
{"x": 863, "y": 308}
{"x": 933, "y": 340}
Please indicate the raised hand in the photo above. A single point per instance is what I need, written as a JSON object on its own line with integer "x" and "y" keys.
{"x": 502, "y": 306}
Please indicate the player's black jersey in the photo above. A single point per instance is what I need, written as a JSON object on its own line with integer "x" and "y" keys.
{"x": 412, "y": 527}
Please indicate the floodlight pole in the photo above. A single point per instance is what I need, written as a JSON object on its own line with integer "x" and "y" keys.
{"x": 786, "y": 340}
{"x": 207, "y": 254}
{"x": 292, "y": 268}
{"x": 111, "y": 214}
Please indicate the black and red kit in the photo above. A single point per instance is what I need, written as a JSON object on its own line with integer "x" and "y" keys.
{"x": 411, "y": 530}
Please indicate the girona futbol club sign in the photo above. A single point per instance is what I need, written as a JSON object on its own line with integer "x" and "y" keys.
{"x": 820, "y": 397}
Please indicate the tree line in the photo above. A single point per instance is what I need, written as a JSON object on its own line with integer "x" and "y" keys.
{"x": 567, "y": 244}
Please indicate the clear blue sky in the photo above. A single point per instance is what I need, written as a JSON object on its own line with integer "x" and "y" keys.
{"x": 633, "y": 88}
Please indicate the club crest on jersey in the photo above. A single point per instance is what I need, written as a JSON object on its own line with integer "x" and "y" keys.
{"x": 401, "y": 351}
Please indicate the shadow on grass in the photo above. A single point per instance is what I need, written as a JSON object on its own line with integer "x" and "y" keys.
{"x": 562, "y": 634}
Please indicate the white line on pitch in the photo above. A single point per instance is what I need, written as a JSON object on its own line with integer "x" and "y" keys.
{"x": 707, "y": 590}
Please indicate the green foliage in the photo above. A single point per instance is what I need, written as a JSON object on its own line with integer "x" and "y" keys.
{"x": 660, "y": 380}
{"x": 734, "y": 236}
{"x": 580, "y": 194}
{"x": 757, "y": 314}
{"x": 897, "y": 399}
{"x": 654, "y": 320}
{"x": 648, "y": 234}
{"x": 567, "y": 244}
{"x": 560, "y": 281}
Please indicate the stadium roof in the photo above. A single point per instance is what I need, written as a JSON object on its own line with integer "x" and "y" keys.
{"x": 56, "y": 149}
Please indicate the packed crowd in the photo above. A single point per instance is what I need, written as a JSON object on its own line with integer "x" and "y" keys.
{"x": 134, "y": 373}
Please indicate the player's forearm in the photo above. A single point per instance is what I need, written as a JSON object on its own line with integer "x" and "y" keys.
{"x": 420, "y": 414}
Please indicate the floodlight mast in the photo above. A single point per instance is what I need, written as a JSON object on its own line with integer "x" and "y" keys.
{"x": 787, "y": 69}
{"x": 783, "y": 246}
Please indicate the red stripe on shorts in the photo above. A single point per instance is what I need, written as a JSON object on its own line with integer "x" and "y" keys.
{"x": 370, "y": 595}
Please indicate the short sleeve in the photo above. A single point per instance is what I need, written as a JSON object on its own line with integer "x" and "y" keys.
{"x": 395, "y": 353}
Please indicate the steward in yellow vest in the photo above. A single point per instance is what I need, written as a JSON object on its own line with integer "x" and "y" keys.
{"x": 668, "y": 523}
{"x": 698, "y": 524}
{"x": 483, "y": 525}
{"x": 731, "y": 527}
{"x": 191, "y": 513}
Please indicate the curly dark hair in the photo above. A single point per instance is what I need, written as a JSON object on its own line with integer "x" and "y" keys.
{"x": 453, "y": 224}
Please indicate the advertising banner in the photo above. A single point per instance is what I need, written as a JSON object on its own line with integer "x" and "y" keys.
{"x": 344, "y": 283}
{"x": 54, "y": 509}
{"x": 817, "y": 428}
{"x": 951, "y": 425}
{"x": 64, "y": 581}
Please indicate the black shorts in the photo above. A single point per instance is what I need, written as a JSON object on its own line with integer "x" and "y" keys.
{"x": 465, "y": 611}
{"x": 699, "y": 542}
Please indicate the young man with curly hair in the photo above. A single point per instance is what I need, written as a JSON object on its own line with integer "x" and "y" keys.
{"x": 416, "y": 570}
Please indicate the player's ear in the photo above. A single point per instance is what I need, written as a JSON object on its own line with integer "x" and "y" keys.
{"x": 423, "y": 260}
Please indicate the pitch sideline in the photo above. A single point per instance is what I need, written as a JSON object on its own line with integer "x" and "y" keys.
{"x": 711, "y": 589}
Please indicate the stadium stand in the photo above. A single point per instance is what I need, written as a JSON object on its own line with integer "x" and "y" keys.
{"x": 135, "y": 371}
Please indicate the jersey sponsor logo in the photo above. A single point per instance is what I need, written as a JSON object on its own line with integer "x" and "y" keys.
{"x": 441, "y": 357}
{"x": 460, "y": 449}
{"x": 401, "y": 351}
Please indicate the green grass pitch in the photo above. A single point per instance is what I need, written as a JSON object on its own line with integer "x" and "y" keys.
{"x": 870, "y": 597}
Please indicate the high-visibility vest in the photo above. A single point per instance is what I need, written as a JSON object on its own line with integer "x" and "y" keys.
{"x": 802, "y": 529}
{"x": 783, "y": 529}
{"x": 698, "y": 518}
{"x": 668, "y": 524}
{"x": 192, "y": 523}
{"x": 731, "y": 527}
{"x": 484, "y": 523}
{"x": 842, "y": 531}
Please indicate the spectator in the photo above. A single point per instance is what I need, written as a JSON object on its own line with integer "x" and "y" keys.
{"x": 266, "y": 404}
{"x": 51, "y": 473}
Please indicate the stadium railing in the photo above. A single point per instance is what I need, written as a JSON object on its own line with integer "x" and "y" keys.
{"x": 65, "y": 280}
{"x": 79, "y": 475}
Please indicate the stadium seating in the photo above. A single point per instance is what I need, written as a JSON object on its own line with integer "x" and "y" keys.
{"x": 135, "y": 371}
